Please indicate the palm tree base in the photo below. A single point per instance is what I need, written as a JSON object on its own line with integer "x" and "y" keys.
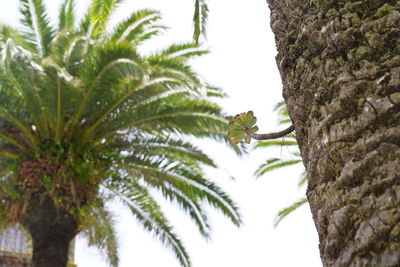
{"x": 52, "y": 229}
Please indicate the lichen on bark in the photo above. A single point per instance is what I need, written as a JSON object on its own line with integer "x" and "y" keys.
{"x": 340, "y": 68}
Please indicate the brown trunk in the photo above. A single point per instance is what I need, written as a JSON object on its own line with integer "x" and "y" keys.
{"x": 340, "y": 66}
{"x": 52, "y": 230}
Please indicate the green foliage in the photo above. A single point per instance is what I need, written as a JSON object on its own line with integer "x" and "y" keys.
{"x": 38, "y": 32}
{"x": 85, "y": 118}
{"x": 272, "y": 164}
{"x": 239, "y": 124}
{"x": 200, "y": 17}
{"x": 278, "y": 163}
{"x": 98, "y": 227}
{"x": 139, "y": 27}
{"x": 286, "y": 211}
{"x": 66, "y": 16}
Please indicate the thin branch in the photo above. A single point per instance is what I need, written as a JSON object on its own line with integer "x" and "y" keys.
{"x": 269, "y": 135}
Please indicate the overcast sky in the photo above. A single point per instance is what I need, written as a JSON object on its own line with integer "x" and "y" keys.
{"x": 242, "y": 62}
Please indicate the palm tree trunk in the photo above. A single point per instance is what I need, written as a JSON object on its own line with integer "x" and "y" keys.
{"x": 52, "y": 230}
{"x": 340, "y": 66}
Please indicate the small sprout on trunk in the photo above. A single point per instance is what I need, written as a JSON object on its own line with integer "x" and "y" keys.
{"x": 242, "y": 127}
{"x": 239, "y": 125}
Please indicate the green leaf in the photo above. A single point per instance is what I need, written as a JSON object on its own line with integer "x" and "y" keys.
{"x": 108, "y": 122}
{"x": 286, "y": 211}
{"x": 254, "y": 129}
{"x": 99, "y": 14}
{"x": 99, "y": 229}
{"x": 247, "y": 139}
{"x": 303, "y": 179}
{"x": 66, "y": 16}
{"x": 200, "y": 17}
{"x": 140, "y": 26}
{"x": 38, "y": 33}
{"x": 271, "y": 165}
{"x": 275, "y": 143}
{"x": 239, "y": 124}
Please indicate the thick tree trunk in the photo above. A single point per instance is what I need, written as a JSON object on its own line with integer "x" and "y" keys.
{"x": 340, "y": 66}
{"x": 52, "y": 230}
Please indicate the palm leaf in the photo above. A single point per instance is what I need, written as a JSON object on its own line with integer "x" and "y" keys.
{"x": 190, "y": 204}
{"x": 273, "y": 164}
{"x": 173, "y": 113}
{"x": 12, "y": 47}
{"x": 109, "y": 66}
{"x": 38, "y": 33}
{"x": 13, "y": 140}
{"x": 174, "y": 67}
{"x": 303, "y": 179}
{"x": 20, "y": 125}
{"x": 99, "y": 15}
{"x": 188, "y": 181}
{"x": 286, "y": 211}
{"x": 173, "y": 149}
{"x": 100, "y": 231}
{"x": 149, "y": 214}
{"x": 185, "y": 50}
{"x": 138, "y": 27}
{"x": 276, "y": 143}
{"x": 8, "y": 154}
{"x": 200, "y": 17}
{"x": 66, "y": 16}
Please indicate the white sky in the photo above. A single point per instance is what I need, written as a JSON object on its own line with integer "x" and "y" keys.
{"x": 242, "y": 62}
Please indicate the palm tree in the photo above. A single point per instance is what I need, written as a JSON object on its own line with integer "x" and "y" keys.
{"x": 339, "y": 63}
{"x": 85, "y": 119}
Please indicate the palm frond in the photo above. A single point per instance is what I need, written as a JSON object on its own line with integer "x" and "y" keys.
{"x": 60, "y": 98}
{"x": 286, "y": 211}
{"x": 189, "y": 203}
{"x": 109, "y": 66}
{"x": 187, "y": 180}
{"x": 213, "y": 91}
{"x": 283, "y": 114}
{"x": 12, "y": 47}
{"x": 149, "y": 214}
{"x": 8, "y": 32}
{"x": 276, "y": 143}
{"x": 67, "y": 49}
{"x": 273, "y": 164}
{"x": 184, "y": 122}
{"x": 66, "y": 17}
{"x": 20, "y": 125}
{"x": 174, "y": 67}
{"x": 28, "y": 83}
{"x": 8, "y": 154}
{"x": 100, "y": 231}
{"x": 138, "y": 27}
{"x": 99, "y": 15}
{"x": 38, "y": 32}
{"x": 174, "y": 113}
{"x": 173, "y": 149}
{"x": 185, "y": 50}
{"x": 276, "y": 163}
{"x": 200, "y": 17}
{"x": 14, "y": 141}
{"x": 303, "y": 179}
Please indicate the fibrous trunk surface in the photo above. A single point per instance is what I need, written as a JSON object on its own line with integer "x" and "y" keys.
{"x": 340, "y": 66}
{"x": 52, "y": 229}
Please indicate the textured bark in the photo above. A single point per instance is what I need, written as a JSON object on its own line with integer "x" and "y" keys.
{"x": 52, "y": 230}
{"x": 340, "y": 66}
